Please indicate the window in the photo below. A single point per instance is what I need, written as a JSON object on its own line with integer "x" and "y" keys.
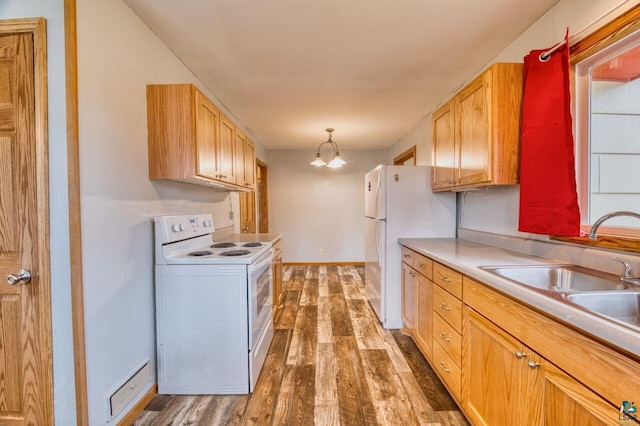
{"x": 607, "y": 114}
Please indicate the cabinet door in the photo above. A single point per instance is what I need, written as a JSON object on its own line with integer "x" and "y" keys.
{"x": 207, "y": 137}
{"x": 226, "y": 150}
{"x": 248, "y": 212}
{"x": 444, "y": 148}
{"x": 408, "y": 298}
{"x": 250, "y": 164}
{"x": 277, "y": 282}
{"x": 568, "y": 402}
{"x": 472, "y": 114}
{"x": 424, "y": 315}
{"x": 498, "y": 386}
{"x": 239, "y": 155}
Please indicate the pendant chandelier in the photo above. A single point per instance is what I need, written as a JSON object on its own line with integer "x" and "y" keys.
{"x": 336, "y": 161}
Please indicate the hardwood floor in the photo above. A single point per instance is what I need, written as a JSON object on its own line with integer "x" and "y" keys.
{"x": 330, "y": 363}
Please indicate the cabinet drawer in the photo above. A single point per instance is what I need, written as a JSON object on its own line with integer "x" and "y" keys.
{"x": 448, "y": 338}
{"x": 448, "y": 279}
{"x": 423, "y": 265}
{"x": 448, "y": 371}
{"x": 407, "y": 256}
{"x": 448, "y": 307}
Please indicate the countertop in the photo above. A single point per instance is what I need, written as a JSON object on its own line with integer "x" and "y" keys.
{"x": 466, "y": 256}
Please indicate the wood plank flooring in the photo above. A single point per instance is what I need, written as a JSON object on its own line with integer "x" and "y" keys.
{"x": 330, "y": 363}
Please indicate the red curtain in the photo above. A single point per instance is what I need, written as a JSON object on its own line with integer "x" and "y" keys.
{"x": 548, "y": 198}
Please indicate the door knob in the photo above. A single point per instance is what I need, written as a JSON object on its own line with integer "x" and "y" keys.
{"x": 23, "y": 277}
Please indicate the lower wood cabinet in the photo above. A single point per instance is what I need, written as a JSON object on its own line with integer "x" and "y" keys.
{"x": 424, "y": 317}
{"x": 277, "y": 276}
{"x": 498, "y": 385}
{"x": 408, "y": 283}
{"x": 506, "y": 383}
{"x": 506, "y": 364}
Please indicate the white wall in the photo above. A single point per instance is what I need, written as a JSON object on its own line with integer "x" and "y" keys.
{"x": 117, "y": 57}
{"x": 420, "y": 136}
{"x": 63, "y": 372}
{"x": 319, "y": 208}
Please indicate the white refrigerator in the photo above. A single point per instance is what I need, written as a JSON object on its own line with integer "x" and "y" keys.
{"x": 399, "y": 203}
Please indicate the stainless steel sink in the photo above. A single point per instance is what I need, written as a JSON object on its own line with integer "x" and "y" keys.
{"x": 559, "y": 278}
{"x": 622, "y": 306}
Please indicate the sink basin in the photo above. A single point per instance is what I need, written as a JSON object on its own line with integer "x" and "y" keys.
{"x": 564, "y": 278}
{"x": 624, "y": 306}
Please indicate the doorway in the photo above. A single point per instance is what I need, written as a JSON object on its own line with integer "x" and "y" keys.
{"x": 261, "y": 196}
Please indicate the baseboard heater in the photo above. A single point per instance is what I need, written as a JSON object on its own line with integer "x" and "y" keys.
{"x": 118, "y": 399}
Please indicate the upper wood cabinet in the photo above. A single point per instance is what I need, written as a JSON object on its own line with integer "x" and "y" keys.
{"x": 476, "y": 134}
{"x": 190, "y": 140}
{"x": 245, "y": 161}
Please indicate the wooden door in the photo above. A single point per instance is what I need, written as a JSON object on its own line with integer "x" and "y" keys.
{"x": 498, "y": 386}
{"x": 25, "y": 312}
{"x": 262, "y": 196}
{"x": 424, "y": 315}
{"x": 472, "y": 131}
{"x": 568, "y": 402}
{"x": 444, "y": 148}
{"x": 226, "y": 150}
{"x": 248, "y": 212}
{"x": 408, "y": 283}
{"x": 207, "y": 127}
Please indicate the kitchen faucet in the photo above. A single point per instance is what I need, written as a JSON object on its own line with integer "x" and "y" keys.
{"x": 627, "y": 274}
{"x": 596, "y": 225}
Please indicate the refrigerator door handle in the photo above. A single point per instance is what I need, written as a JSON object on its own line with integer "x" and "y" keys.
{"x": 377, "y": 202}
{"x": 375, "y": 234}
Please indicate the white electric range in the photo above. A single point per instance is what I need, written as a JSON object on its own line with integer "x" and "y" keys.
{"x": 214, "y": 319}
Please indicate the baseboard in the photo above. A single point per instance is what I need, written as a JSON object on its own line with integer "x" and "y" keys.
{"x": 323, "y": 264}
{"x": 135, "y": 411}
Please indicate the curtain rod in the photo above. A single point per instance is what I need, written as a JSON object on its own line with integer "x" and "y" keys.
{"x": 577, "y": 36}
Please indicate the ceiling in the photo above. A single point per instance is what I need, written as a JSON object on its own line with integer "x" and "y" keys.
{"x": 371, "y": 69}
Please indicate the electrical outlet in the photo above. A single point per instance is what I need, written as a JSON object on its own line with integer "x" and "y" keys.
{"x": 321, "y": 252}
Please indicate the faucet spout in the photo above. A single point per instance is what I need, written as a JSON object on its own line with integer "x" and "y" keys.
{"x": 600, "y": 221}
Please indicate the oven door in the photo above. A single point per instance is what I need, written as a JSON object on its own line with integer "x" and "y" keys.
{"x": 260, "y": 296}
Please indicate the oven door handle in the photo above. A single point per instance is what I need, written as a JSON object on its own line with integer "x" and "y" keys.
{"x": 264, "y": 260}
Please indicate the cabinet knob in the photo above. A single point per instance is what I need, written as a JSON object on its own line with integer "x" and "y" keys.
{"x": 533, "y": 365}
{"x": 422, "y": 265}
{"x": 406, "y": 256}
{"x": 443, "y": 366}
{"x": 520, "y": 355}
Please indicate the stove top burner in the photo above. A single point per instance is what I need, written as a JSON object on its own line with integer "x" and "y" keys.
{"x": 201, "y": 253}
{"x": 252, "y": 245}
{"x": 235, "y": 253}
{"x": 223, "y": 245}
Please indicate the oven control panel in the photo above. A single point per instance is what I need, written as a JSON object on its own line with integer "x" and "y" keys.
{"x": 179, "y": 227}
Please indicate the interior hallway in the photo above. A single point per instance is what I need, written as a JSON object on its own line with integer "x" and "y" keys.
{"x": 330, "y": 363}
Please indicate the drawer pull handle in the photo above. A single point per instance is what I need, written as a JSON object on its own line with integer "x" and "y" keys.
{"x": 406, "y": 256}
{"x": 520, "y": 355}
{"x": 413, "y": 274}
{"x": 422, "y": 265}
{"x": 533, "y": 365}
{"x": 444, "y": 367}
{"x": 444, "y": 337}
{"x": 445, "y": 307}
{"x": 445, "y": 279}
